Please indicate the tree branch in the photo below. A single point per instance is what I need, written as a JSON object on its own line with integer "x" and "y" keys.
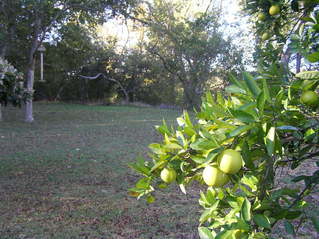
{"x": 106, "y": 78}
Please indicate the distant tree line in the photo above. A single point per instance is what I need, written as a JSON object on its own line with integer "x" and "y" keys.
{"x": 177, "y": 58}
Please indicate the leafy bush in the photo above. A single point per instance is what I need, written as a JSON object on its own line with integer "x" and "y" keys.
{"x": 270, "y": 128}
{"x": 11, "y": 85}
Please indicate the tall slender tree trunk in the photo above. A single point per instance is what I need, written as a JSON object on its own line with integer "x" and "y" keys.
{"x": 31, "y": 67}
{"x": 30, "y": 81}
{"x": 30, "y": 70}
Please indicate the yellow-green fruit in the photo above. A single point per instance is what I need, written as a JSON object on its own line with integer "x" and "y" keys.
{"x": 265, "y": 36}
{"x": 261, "y": 17}
{"x": 237, "y": 233}
{"x": 214, "y": 177}
{"x": 274, "y": 10}
{"x": 230, "y": 161}
{"x": 168, "y": 175}
{"x": 310, "y": 98}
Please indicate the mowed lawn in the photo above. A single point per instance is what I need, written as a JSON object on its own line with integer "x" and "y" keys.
{"x": 66, "y": 175}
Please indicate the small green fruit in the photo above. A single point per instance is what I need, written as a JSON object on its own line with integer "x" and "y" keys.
{"x": 261, "y": 17}
{"x": 230, "y": 161}
{"x": 265, "y": 36}
{"x": 309, "y": 98}
{"x": 168, "y": 175}
{"x": 274, "y": 10}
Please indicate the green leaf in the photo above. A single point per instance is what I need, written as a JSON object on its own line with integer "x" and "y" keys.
{"x": 243, "y": 116}
{"x": 158, "y": 164}
{"x": 205, "y": 216}
{"x": 266, "y": 90}
{"x": 199, "y": 159}
{"x": 205, "y": 233}
{"x": 315, "y": 222}
{"x": 172, "y": 146}
{"x": 313, "y": 57}
{"x": 251, "y": 83}
{"x": 208, "y": 212}
{"x": 189, "y": 131}
{"x": 203, "y": 144}
{"x": 157, "y": 149}
{"x": 187, "y": 119}
{"x": 308, "y": 75}
{"x": 289, "y": 228}
{"x": 261, "y": 102}
{"x": 270, "y": 141}
{"x": 209, "y": 98}
{"x": 140, "y": 167}
{"x": 245, "y": 210}
{"x": 235, "y": 89}
{"x": 227, "y": 234}
{"x": 143, "y": 183}
{"x": 163, "y": 129}
{"x": 239, "y": 130}
{"x": 219, "y": 98}
{"x": 293, "y": 215}
{"x": 308, "y": 19}
{"x": 251, "y": 181}
{"x": 262, "y": 221}
{"x": 236, "y": 82}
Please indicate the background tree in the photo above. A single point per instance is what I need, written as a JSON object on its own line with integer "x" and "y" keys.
{"x": 35, "y": 20}
{"x": 190, "y": 49}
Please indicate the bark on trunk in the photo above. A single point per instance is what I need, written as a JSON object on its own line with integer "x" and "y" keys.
{"x": 29, "y": 103}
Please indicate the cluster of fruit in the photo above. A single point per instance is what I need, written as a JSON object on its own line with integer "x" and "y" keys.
{"x": 273, "y": 11}
{"x": 216, "y": 175}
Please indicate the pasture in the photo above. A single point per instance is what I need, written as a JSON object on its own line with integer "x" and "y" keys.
{"x": 66, "y": 175}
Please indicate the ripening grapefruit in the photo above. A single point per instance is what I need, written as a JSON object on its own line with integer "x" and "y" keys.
{"x": 265, "y": 36}
{"x": 214, "y": 177}
{"x": 274, "y": 10}
{"x": 230, "y": 161}
{"x": 309, "y": 98}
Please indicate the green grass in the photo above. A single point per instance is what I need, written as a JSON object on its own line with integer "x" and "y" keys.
{"x": 66, "y": 175}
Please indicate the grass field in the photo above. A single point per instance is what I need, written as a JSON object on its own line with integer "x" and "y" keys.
{"x": 66, "y": 176}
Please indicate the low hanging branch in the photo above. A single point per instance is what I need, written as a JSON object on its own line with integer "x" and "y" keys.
{"x": 107, "y": 78}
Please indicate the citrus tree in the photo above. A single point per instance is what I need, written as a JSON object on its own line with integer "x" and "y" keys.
{"x": 238, "y": 141}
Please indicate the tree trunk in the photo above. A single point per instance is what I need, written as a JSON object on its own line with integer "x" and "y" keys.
{"x": 298, "y": 63}
{"x": 0, "y": 112}
{"x": 30, "y": 69}
{"x": 192, "y": 99}
{"x": 29, "y": 103}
